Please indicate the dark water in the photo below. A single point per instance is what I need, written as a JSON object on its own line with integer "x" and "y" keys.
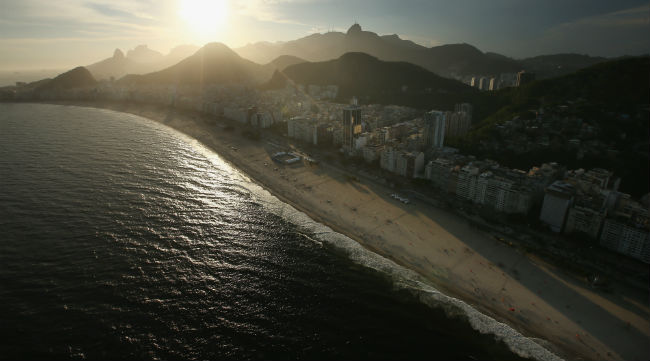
{"x": 123, "y": 239}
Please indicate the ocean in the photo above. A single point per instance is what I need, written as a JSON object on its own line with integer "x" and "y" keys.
{"x": 121, "y": 238}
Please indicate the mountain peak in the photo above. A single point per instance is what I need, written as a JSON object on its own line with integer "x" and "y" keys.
{"x": 284, "y": 61}
{"x": 214, "y": 63}
{"x": 78, "y": 77}
{"x": 354, "y": 29}
{"x": 143, "y": 54}
{"x": 217, "y": 50}
{"x": 216, "y": 47}
{"x": 118, "y": 54}
{"x": 357, "y": 56}
{"x": 360, "y": 74}
{"x": 448, "y": 60}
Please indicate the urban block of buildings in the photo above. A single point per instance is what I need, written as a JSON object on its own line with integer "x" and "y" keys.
{"x": 402, "y": 141}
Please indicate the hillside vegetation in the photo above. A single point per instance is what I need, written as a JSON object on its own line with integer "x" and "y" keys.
{"x": 78, "y": 77}
{"x": 376, "y": 81}
{"x": 610, "y": 98}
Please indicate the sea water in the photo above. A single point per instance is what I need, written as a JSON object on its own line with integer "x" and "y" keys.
{"x": 121, "y": 238}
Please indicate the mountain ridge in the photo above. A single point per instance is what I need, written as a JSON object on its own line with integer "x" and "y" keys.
{"x": 449, "y": 60}
{"x": 214, "y": 63}
{"x": 374, "y": 80}
{"x": 139, "y": 60}
{"x": 78, "y": 77}
{"x": 283, "y": 61}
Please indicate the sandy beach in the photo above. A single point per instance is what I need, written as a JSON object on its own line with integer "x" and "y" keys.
{"x": 533, "y": 297}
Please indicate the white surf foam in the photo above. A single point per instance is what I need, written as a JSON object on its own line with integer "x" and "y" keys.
{"x": 402, "y": 277}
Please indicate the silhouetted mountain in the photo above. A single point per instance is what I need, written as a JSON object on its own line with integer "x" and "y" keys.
{"x": 36, "y": 84}
{"x": 446, "y": 60}
{"x": 179, "y": 53}
{"x": 452, "y": 60}
{"x": 270, "y": 71}
{"x": 142, "y": 54}
{"x": 118, "y": 54}
{"x": 376, "y": 81}
{"x": 396, "y": 40}
{"x": 214, "y": 63}
{"x": 465, "y": 59}
{"x": 278, "y": 81}
{"x": 116, "y": 66}
{"x": 140, "y": 60}
{"x": 78, "y": 77}
{"x": 283, "y": 61}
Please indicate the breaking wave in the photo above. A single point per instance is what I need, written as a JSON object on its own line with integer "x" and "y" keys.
{"x": 402, "y": 278}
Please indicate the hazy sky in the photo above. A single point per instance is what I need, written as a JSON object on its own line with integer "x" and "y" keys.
{"x": 66, "y": 33}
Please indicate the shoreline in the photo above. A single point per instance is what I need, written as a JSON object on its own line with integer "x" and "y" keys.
{"x": 535, "y": 299}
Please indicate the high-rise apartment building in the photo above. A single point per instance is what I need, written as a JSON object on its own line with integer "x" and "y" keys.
{"x": 457, "y": 124}
{"x": 351, "y": 124}
{"x": 557, "y": 201}
{"x": 434, "y": 129}
{"x": 493, "y": 84}
{"x": 524, "y": 77}
{"x": 483, "y": 83}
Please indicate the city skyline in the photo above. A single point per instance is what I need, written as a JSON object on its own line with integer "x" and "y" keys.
{"x": 79, "y": 32}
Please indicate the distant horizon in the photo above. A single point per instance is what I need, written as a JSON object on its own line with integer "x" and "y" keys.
{"x": 38, "y": 34}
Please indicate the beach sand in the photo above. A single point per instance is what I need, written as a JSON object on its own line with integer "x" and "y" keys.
{"x": 533, "y": 297}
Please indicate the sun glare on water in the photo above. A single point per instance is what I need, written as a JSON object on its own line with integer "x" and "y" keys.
{"x": 205, "y": 19}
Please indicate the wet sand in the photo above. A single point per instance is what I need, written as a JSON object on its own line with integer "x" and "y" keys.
{"x": 535, "y": 298}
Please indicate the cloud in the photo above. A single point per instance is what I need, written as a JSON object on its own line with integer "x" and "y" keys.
{"x": 610, "y": 34}
{"x": 269, "y": 10}
{"x": 77, "y": 17}
{"x": 111, "y": 11}
{"x": 66, "y": 40}
{"x": 634, "y": 17}
{"x": 47, "y": 33}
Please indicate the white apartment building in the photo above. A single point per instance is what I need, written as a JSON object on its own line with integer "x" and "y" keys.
{"x": 467, "y": 179}
{"x": 626, "y": 239}
{"x": 585, "y": 219}
{"x": 434, "y": 129}
{"x": 388, "y": 159}
{"x": 372, "y": 152}
{"x": 438, "y": 171}
{"x": 303, "y": 129}
{"x": 557, "y": 201}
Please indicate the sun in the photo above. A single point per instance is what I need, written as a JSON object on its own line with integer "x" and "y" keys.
{"x": 204, "y": 18}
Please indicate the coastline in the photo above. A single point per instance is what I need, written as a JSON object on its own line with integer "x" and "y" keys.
{"x": 532, "y": 297}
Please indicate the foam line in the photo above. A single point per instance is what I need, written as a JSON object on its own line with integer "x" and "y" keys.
{"x": 402, "y": 277}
